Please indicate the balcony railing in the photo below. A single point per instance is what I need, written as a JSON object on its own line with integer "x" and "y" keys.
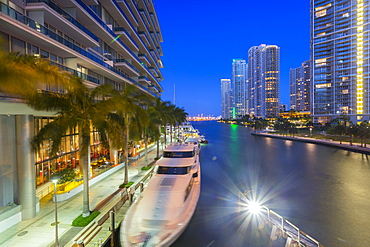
{"x": 77, "y": 73}
{"x": 122, "y": 60}
{"x": 64, "y": 14}
{"x": 51, "y": 34}
{"x": 129, "y": 9}
{"x": 121, "y": 29}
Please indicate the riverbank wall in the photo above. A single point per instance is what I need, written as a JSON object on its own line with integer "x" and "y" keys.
{"x": 353, "y": 148}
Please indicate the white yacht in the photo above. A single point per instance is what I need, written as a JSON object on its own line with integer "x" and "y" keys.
{"x": 162, "y": 212}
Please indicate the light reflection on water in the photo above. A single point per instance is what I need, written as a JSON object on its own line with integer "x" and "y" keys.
{"x": 322, "y": 190}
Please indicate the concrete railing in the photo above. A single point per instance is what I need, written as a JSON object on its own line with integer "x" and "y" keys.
{"x": 115, "y": 202}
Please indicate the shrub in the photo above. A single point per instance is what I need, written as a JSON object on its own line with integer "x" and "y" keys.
{"x": 145, "y": 168}
{"x": 126, "y": 185}
{"x": 84, "y": 221}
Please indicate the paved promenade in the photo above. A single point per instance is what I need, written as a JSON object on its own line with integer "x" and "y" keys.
{"x": 40, "y": 231}
{"x": 355, "y": 147}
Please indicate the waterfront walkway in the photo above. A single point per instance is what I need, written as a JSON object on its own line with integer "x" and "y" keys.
{"x": 355, "y": 147}
{"x": 40, "y": 231}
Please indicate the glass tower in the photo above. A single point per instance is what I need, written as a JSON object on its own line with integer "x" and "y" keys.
{"x": 263, "y": 85}
{"x": 340, "y": 59}
{"x": 300, "y": 97}
{"x": 226, "y": 99}
{"x": 239, "y": 87}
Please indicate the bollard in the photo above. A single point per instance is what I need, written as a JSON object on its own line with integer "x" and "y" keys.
{"x": 112, "y": 226}
{"x": 141, "y": 186}
{"x": 80, "y": 243}
{"x": 131, "y": 195}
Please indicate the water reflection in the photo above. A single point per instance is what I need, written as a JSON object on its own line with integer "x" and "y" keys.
{"x": 320, "y": 189}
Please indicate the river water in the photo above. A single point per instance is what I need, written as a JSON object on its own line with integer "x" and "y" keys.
{"x": 322, "y": 190}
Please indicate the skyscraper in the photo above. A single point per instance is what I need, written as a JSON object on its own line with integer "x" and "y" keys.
{"x": 300, "y": 96}
{"x": 239, "y": 87}
{"x": 263, "y": 84}
{"x": 226, "y": 99}
{"x": 339, "y": 52}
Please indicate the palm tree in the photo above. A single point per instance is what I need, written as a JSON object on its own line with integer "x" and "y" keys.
{"x": 363, "y": 132}
{"x": 339, "y": 126}
{"x": 23, "y": 74}
{"x": 179, "y": 115}
{"x": 78, "y": 108}
{"x": 133, "y": 115}
{"x": 160, "y": 116}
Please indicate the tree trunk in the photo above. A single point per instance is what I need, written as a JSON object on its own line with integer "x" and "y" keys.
{"x": 113, "y": 154}
{"x": 157, "y": 149}
{"x": 84, "y": 166}
{"x": 146, "y": 149}
{"x": 125, "y": 180}
{"x": 171, "y": 134}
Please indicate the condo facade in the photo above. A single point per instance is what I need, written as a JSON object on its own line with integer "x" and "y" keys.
{"x": 300, "y": 87}
{"x": 226, "y": 99}
{"x": 239, "y": 87}
{"x": 340, "y": 59}
{"x": 102, "y": 42}
{"x": 263, "y": 84}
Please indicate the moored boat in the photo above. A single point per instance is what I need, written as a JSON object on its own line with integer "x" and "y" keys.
{"x": 163, "y": 211}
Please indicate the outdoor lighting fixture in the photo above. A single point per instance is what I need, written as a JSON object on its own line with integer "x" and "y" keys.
{"x": 254, "y": 207}
{"x": 55, "y": 181}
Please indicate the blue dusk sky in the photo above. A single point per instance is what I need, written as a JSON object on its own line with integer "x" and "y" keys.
{"x": 202, "y": 37}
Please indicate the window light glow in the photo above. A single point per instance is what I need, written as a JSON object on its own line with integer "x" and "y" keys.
{"x": 360, "y": 57}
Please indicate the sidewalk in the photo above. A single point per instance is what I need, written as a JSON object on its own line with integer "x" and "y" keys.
{"x": 40, "y": 231}
{"x": 346, "y": 146}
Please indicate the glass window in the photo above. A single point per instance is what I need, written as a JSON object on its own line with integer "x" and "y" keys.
{"x": 18, "y": 45}
{"x": 5, "y": 38}
{"x": 33, "y": 50}
{"x": 44, "y": 54}
{"x": 178, "y": 154}
{"x": 60, "y": 60}
{"x": 173, "y": 170}
{"x": 53, "y": 57}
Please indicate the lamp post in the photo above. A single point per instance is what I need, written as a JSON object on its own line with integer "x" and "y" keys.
{"x": 310, "y": 132}
{"x": 55, "y": 181}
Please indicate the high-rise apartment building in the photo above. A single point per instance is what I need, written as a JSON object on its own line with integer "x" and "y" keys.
{"x": 300, "y": 96}
{"x": 263, "y": 84}
{"x": 340, "y": 57}
{"x": 239, "y": 87}
{"x": 226, "y": 99}
{"x": 103, "y": 42}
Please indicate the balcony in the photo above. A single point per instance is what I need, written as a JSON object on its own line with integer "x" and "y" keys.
{"x": 144, "y": 59}
{"x": 118, "y": 14}
{"x": 144, "y": 79}
{"x": 123, "y": 34}
{"x": 60, "y": 19}
{"x": 76, "y": 73}
{"x": 127, "y": 10}
{"x": 145, "y": 38}
{"x": 129, "y": 68}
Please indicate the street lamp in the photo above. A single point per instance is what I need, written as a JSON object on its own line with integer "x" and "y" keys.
{"x": 310, "y": 132}
{"x": 55, "y": 181}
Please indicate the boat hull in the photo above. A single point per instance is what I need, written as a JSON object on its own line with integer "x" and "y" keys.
{"x": 133, "y": 233}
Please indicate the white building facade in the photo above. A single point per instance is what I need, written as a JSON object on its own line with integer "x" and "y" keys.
{"x": 102, "y": 42}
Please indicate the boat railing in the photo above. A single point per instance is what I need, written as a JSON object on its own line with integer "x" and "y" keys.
{"x": 302, "y": 238}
